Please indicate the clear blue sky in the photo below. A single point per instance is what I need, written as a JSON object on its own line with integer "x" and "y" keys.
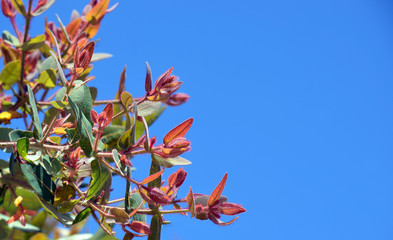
{"x": 292, "y": 98}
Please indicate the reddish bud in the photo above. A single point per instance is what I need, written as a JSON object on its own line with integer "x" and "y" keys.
{"x": 231, "y": 208}
{"x": 178, "y": 99}
{"x": 158, "y": 196}
{"x": 164, "y": 87}
{"x": 40, "y": 4}
{"x": 7, "y": 8}
{"x": 176, "y": 179}
{"x": 148, "y": 81}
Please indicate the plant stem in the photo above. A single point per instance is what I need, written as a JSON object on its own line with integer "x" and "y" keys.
{"x": 102, "y": 225}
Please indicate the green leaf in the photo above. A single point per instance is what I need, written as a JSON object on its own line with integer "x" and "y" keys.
{"x": 52, "y": 165}
{"x": 34, "y": 43}
{"x": 10, "y": 74}
{"x": 4, "y": 132}
{"x": 135, "y": 201}
{"x": 84, "y": 129}
{"x": 155, "y": 227}
{"x": 112, "y": 134}
{"x": 65, "y": 218}
{"x": 99, "y": 175}
{"x": 17, "y": 134}
{"x": 126, "y": 140}
{"x": 43, "y": 8}
{"x": 154, "y": 168}
{"x": 22, "y": 146}
{"x": 140, "y": 129}
{"x": 68, "y": 205}
{"x": 80, "y": 95}
{"x": 19, "y": 6}
{"x": 100, "y": 56}
{"x": 59, "y": 68}
{"x": 49, "y": 63}
{"x": 147, "y": 108}
{"x": 10, "y": 39}
{"x": 126, "y": 99}
{"x": 82, "y": 215}
{"x": 63, "y": 29}
{"x": 170, "y": 162}
{"x": 39, "y": 180}
{"x": 36, "y": 120}
{"x": 30, "y": 200}
{"x": 48, "y": 78}
{"x": 17, "y": 225}
{"x": 5, "y": 230}
{"x": 59, "y": 104}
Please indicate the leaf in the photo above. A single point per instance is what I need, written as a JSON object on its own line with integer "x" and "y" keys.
{"x": 178, "y": 131}
{"x": 117, "y": 161}
{"x": 148, "y": 80}
{"x": 59, "y": 69}
{"x": 118, "y": 107}
{"x": 135, "y": 201}
{"x": 100, "y": 56}
{"x": 126, "y": 99}
{"x": 154, "y": 168}
{"x": 80, "y": 236}
{"x": 36, "y": 120}
{"x": 84, "y": 129}
{"x": 191, "y": 203}
{"x": 126, "y": 140}
{"x": 43, "y": 8}
{"x": 68, "y": 205}
{"x": 140, "y": 129}
{"x": 39, "y": 180}
{"x": 17, "y": 134}
{"x": 49, "y": 63}
{"x": 63, "y": 193}
{"x": 170, "y": 162}
{"x": 97, "y": 12}
{"x": 22, "y": 147}
{"x": 120, "y": 216}
{"x": 153, "y": 177}
{"x": 17, "y": 225}
{"x": 99, "y": 175}
{"x": 82, "y": 215}
{"x": 155, "y": 227}
{"x": 63, "y": 29}
{"x": 10, "y": 74}
{"x": 80, "y": 95}
{"x": 218, "y": 190}
{"x": 59, "y": 104}
{"x": 147, "y": 108}
{"x": 30, "y": 200}
{"x": 65, "y": 218}
{"x": 48, "y": 78}
{"x": 34, "y": 43}
{"x": 10, "y": 39}
{"x": 19, "y": 6}
{"x": 112, "y": 134}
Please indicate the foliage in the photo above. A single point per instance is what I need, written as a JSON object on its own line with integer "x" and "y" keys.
{"x": 61, "y": 165}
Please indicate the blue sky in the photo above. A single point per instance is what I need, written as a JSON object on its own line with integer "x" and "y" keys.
{"x": 292, "y": 98}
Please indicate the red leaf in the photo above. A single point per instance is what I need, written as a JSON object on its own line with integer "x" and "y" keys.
{"x": 140, "y": 227}
{"x": 218, "y": 190}
{"x": 93, "y": 116}
{"x": 108, "y": 110}
{"x": 153, "y": 177}
{"x": 158, "y": 196}
{"x": 179, "y": 131}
